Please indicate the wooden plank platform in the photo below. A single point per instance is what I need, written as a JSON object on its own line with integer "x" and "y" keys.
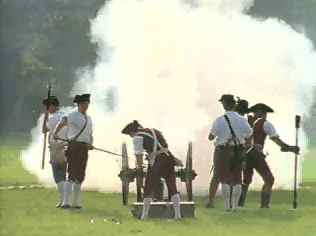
{"x": 164, "y": 209}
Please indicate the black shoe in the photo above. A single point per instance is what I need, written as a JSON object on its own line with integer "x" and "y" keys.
{"x": 77, "y": 207}
{"x": 65, "y": 207}
{"x": 210, "y": 204}
{"x": 243, "y": 195}
{"x": 265, "y": 199}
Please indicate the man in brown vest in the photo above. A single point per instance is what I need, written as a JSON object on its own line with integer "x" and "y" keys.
{"x": 255, "y": 157}
{"x": 161, "y": 164}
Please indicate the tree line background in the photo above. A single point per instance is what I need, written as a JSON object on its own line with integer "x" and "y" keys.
{"x": 43, "y": 41}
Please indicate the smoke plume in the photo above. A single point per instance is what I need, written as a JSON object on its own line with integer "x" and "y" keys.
{"x": 166, "y": 63}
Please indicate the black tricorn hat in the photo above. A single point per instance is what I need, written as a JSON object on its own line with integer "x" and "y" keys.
{"x": 131, "y": 127}
{"x": 229, "y": 98}
{"x": 82, "y": 98}
{"x": 260, "y": 107}
{"x": 242, "y": 106}
{"x": 51, "y": 100}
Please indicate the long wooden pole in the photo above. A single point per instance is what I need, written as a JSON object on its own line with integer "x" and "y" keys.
{"x": 44, "y": 128}
{"x": 295, "y": 192}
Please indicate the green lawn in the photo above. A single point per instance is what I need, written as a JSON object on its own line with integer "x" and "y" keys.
{"x": 11, "y": 170}
{"x": 31, "y": 211}
{"x": 309, "y": 166}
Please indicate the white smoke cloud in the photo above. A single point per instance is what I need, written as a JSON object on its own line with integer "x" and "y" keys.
{"x": 169, "y": 62}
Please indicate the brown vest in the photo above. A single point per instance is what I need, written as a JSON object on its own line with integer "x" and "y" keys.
{"x": 148, "y": 142}
{"x": 259, "y": 136}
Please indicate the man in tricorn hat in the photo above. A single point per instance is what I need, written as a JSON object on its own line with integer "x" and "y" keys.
{"x": 79, "y": 135}
{"x": 241, "y": 108}
{"x": 57, "y": 157}
{"x": 161, "y": 164}
{"x": 255, "y": 157}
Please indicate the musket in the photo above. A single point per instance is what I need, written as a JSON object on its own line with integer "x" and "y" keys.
{"x": 93, "y": 147}
{"x": 44, "y": 126}
{"x": 297, "y": 126}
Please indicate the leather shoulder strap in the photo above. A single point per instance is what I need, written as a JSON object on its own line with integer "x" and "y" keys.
{"x": 235, "y": 139}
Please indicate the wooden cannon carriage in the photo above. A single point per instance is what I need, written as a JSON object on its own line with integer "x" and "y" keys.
{"x": 159, "y": 208}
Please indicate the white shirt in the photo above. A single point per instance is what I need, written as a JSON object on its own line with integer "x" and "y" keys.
{"x": 221, "y": 131}
{"x": 51, "y": 124}
{"x": 138, "y": 142}
{"x": 75, "y": 122}
{"x": 269, "y": 129}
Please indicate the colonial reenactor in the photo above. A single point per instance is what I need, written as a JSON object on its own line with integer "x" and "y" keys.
{"x": 161, "y": 164}
{"x": 79, "y": 135}
{"x": 231, "y": 132}
{"x": 241, "y": 108}
{"x": 57, "y": 157}
{"x": 255, "y": 159}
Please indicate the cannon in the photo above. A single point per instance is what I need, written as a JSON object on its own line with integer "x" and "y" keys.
{"x": 129, "y": 175}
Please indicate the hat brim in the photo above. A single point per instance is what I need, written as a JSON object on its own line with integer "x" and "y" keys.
{"x": 261, "y": 107}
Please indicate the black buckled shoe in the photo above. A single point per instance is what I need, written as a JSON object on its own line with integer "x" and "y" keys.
{"x": 65, "y": 206}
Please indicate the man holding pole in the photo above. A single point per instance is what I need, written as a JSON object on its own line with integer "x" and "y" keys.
{"x": 255, "y": 159}
{"x": 57, "y": 157}
{"x": 79, "y": 135}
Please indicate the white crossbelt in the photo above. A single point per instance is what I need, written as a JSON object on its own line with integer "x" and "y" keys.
{"x": 152, "y": 156}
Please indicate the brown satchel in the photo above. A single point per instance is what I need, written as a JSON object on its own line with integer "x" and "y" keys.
{"x": 238, "y": 148}
{"x": 57, "y": 152}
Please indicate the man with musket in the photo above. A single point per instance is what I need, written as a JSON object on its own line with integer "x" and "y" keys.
{"x": 79, "y": 136}
{"x": 161, "y": 164}
{"x": 232, "y": 132}
{"x": 241, "y": 108}
{"x": 57, "y": 157}
{"x": 255, "y": 159}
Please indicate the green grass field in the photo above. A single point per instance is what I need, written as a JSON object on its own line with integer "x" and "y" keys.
{"x": 32, "y": 212}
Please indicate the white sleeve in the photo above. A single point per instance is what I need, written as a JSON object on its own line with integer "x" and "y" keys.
{"x": 269, "y": 129}
{"x": 214, "y": 128}
{"x": 138, "y": 145}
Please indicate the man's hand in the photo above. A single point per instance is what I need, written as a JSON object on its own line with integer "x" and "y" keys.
{"x": 211, "y": 137}
{"x": 288, "y": 148}
{"x": 178, "y": 162}
{"x": 90, "y": 147}
{"x": 45, "y": 130}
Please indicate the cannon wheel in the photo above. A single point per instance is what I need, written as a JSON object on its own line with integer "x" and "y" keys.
{"x": 188, "y": 168}
{"x": 125, "y": 180}
{"x": 139, "y": 187}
